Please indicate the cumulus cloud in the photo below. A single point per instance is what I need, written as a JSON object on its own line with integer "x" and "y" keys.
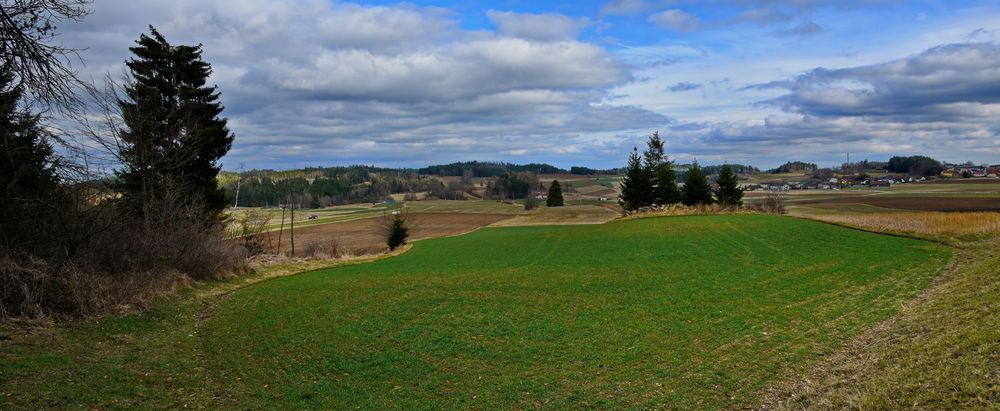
{"x": 944, "y": 101}
{"x": 676, "y": 20}
{"x": 547, "y": 26}
{"x": 310, "y": 82}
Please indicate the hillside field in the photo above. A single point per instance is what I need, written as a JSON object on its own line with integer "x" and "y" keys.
{"x": 706, "y": 311}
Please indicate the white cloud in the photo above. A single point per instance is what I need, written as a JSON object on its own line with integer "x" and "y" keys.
{"x": 549, "y": 26}
{"x": 676, "y": 20}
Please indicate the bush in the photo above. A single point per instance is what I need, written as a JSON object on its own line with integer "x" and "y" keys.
{"x": 396, "y": 229}
{"x": 772, "y": 203}
{"x": 530, "y": 203}
{"x": 106, "y": 260}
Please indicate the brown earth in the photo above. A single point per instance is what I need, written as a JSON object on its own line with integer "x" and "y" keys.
{"x": 915, "y": 203}
{"x": 963, "y": 181}
{"x": 364, "y": 235}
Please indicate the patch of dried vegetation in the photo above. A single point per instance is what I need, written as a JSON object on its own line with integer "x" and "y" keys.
{"x": 923, "y": 223}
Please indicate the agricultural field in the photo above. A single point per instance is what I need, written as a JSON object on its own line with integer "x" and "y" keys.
{"x": 365, "y": 236}
{"x": 697, "y": 311}
{"x": 957, "y": 195}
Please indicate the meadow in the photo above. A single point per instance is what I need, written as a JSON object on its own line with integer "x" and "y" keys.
{"x": 700, "y": 311}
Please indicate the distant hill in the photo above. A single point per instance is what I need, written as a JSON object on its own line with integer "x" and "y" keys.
{"x": 488, "y": 169}
{"x": 794, "y": 167}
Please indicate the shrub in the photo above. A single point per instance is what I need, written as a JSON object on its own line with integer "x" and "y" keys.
{"x": 530, "y": 203}
{"x": 396, "y": 229}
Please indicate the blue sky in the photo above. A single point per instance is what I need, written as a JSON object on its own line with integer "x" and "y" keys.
{"x": 313, "y": 82}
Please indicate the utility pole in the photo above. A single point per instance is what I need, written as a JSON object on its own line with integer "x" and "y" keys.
{"x": 281, "y": 228}
{"x": 292, "y": 211}
{"x": 236, "y": 202}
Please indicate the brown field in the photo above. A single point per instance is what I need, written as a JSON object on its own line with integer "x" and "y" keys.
{"x": 582, "y": 214}
{"x": 364, "y": 236}
{"x": 928, "y": 223}
{"x": 962, "y": 181}
{"x": 914, "y": 203}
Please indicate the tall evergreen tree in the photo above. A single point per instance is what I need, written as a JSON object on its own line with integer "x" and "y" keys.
{"x": 665, "y": 190}
{"x": 555, "y": 198}
{"x": 173, "y": 137}
{"x": 655, "y": 151}
{"x": 696, "y": 189}
{"x": 729, "y": 193}
{"x": 28, "y": 179}
{"x": 637, "y": 185}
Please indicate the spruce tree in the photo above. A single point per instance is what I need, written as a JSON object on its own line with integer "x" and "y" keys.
{"x": 398, "y": 232}
{"x": 636, "y": 186}
{"x": 555, "y": 198}
{"x": 729, "y": 193}
{"x": 696, "y": 189}
{"x": 28, "y": 180}
{"x": 173, "y": 134}
{"x": 665, "y": 190}
{"x": 655, "y": 151}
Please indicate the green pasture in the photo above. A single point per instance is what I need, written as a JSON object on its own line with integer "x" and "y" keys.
{"x": 699, "y": 311}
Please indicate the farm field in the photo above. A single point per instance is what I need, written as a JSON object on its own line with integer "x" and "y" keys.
{"x": 569, "y": 214}
{"x": 365, "y": 235}
{"x": 615, "y": 329}
{"x": 705, "y": 311}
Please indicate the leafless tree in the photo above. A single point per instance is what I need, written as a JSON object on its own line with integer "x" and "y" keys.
{"x": 27, "y": 45}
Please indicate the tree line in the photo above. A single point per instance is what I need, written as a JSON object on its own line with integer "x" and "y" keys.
{"x": 650, "y": 180}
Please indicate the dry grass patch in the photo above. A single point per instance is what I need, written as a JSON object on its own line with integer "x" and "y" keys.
{"x": 924, "y": 223}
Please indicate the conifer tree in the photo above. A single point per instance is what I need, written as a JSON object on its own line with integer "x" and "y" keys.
{"x": 398, "y": 232}
{"x": 654, "y": 154}
{"x": 555, "y": 198}
{"x": 696, "y": 189}
{"x": 636, "y": 186}
{"x": 729, "y": 193}
{"x": 173, "y": 136}
{"x": 28, "y": 179}
{"x": 665, "y": 190}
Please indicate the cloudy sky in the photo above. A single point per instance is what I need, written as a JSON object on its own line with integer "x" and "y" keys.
{"x": 317, "y": 82}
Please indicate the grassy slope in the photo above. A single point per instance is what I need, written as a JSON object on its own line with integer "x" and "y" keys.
{"x": 464, "y": 330}
{"x": 706, "y": 314}
{"x": 942, "y": 351}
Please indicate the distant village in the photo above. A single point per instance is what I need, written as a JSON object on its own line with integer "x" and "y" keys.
{"x": 864, "y": 179}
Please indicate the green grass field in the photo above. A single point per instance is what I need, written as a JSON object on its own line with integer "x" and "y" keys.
{"x": 707, "y": 312}
{"x": 701, "y": 312}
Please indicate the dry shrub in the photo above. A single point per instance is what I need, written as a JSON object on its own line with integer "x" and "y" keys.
{"x": 251, "y": 229}
{"x": 682, "y": 210}
{"x": 368, "y": 250}
{"x": 772, "y": 203}
{"x": 923, "y": 222}
{"x": 323, "y": 250}
{"x": 105, "y": 259}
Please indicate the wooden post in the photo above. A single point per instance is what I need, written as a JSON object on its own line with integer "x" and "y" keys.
{"x": 292, "y": 211}
{"x": 281, "y": 228}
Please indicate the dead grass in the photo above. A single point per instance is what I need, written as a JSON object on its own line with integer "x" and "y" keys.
{"x": 922, "y": 223}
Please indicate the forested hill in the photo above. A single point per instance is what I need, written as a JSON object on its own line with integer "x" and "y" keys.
{"x": 488, "y": 169}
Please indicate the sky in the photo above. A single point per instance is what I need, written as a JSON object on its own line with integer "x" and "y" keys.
{"x": 322, "y": 83}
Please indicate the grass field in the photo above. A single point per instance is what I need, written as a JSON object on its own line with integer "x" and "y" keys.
{"x": 700, "y": 312}
{"x": 693, "y": 312}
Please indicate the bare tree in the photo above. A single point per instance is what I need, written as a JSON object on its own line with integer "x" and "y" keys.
{"x": 27, "y": 45}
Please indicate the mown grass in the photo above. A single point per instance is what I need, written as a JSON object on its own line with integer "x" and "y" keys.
{"x": 700, "y": 312}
